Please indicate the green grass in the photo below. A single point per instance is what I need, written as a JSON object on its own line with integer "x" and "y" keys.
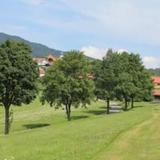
{"x": 41, "y": 133}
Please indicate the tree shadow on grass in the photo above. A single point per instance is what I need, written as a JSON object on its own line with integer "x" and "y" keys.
{"x": 103, "y": 107}
{"x": 136, "y": 106}
{"x": 155, "y": 102}
{"x": 96, "y": 112}
{"x": 78, "y": 117}
{"x": 132, "y": 109}
{"x": 139, "y": 106}
{"x": 36, "y": 125}
{"x": 103, "y": 110}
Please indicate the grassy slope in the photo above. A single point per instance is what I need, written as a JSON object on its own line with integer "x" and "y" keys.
{"x": 142, "y": 142}
{"x": 40, "y": 133}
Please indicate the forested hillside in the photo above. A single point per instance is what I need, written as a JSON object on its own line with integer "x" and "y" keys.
{"x": 37, "y": 48}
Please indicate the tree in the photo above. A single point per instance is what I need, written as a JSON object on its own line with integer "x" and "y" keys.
{"x": 134, "y": 80}
{"x": 18, "y": 75}
{"x": 146, "y": 86}
{"x": 106, "y": 77}
{"x": 140, "y": 79}
{"x": 67, "y": 83}
{"x": 136, "y": 71}
{"x": 122, "y": 75}
{"x": 122, "y": 85}
{"x": 125, "y": 88}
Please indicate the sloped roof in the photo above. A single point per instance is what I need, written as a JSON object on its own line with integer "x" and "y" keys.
{"x": 51, "y": 57}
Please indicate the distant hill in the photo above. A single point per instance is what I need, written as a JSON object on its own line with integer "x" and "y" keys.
{"x": 154, "y": 72}
{"x": 37, "y": 48}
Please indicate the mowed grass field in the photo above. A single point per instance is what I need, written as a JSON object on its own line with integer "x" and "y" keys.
{"x": 41, "y": 133}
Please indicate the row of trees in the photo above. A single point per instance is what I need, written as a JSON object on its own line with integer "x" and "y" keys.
{"x": 72, "y": 81}
{"x": 122, "y": 76}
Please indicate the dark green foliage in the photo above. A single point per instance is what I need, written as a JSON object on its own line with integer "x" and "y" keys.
{"x": 147, "y": 87}
{"x": 67, "y": 82}
{"x": 106, "y": 77}
{"x": 18, "y": 75}
{"x": 134, "y": 80}
{"x": 37, "y": 49}
{"x": 122, "y": 76}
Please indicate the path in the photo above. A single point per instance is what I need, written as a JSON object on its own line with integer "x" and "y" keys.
{"x": 115, "y": 108}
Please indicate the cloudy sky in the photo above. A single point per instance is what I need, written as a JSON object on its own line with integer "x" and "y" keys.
{"x": 88, "y": 25}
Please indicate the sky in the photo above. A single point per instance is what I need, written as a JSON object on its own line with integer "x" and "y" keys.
{"x": 88, "y": 25}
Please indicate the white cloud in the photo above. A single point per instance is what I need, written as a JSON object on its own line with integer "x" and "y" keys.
{"x": 122, "y": 50}
{"x": 99, "y": 53}
{"x": 134, "y": 19}
{"x": 151, "y": 62}
{"x": 94, "y": 52}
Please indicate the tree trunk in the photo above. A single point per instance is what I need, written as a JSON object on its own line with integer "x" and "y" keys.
{"x": 126, "y": 105}
{"x": 7, "y": 123}
{"x": 68, "y": 112}
{"x": 108, "y": 106}
{"x": 132, "y": 102}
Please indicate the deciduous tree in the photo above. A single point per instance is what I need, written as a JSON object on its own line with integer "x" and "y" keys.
{"x": 18, "y": 75}
{"x": 67, "y": 83}
{"x": 106, "y": 77}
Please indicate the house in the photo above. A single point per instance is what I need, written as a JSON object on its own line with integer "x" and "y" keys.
{"x": 41, "y": 61}
{"x": 51, "y": 59}
{"x": 156, "y": 90}
{"x": 44, "y": 62}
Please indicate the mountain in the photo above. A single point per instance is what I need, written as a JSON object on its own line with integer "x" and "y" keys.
{"x": 154, "y": 72}
{"x": 37, "y": 48}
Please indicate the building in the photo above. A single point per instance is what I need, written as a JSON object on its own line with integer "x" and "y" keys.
{"x": 156, "y": 90}
{"x": 41, "y": 61}
{"x": 44, "y": 62}
{"x": 51, "y": 59}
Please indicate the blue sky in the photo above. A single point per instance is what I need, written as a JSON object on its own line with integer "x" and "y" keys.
{"x": 88, "y": 25}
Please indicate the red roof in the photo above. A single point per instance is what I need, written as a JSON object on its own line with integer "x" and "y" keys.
{"x": 156, "y": 80}
{"x": 156, "y": 90}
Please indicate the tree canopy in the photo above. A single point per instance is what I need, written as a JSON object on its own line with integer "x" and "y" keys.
{"x": 122, "y": 76}
{"x": 106, "y": 77}
{"x": 18, "y": 75}
{"x": 67, "y": 83}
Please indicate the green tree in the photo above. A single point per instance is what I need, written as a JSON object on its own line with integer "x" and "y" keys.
{"x": 146, "y": 86}
{"x": 125, "y": 88}
{"x": 122, "y": 84}
{"x": 67, "y": 83}
{"x": 135, "y": 70}
{"x": 18, "y": 75}
{"x": 134, "y": 80}
{"x": 106, "y": 77}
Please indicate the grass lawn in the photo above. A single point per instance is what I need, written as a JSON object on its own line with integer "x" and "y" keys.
{"x": 41, "y": 133}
